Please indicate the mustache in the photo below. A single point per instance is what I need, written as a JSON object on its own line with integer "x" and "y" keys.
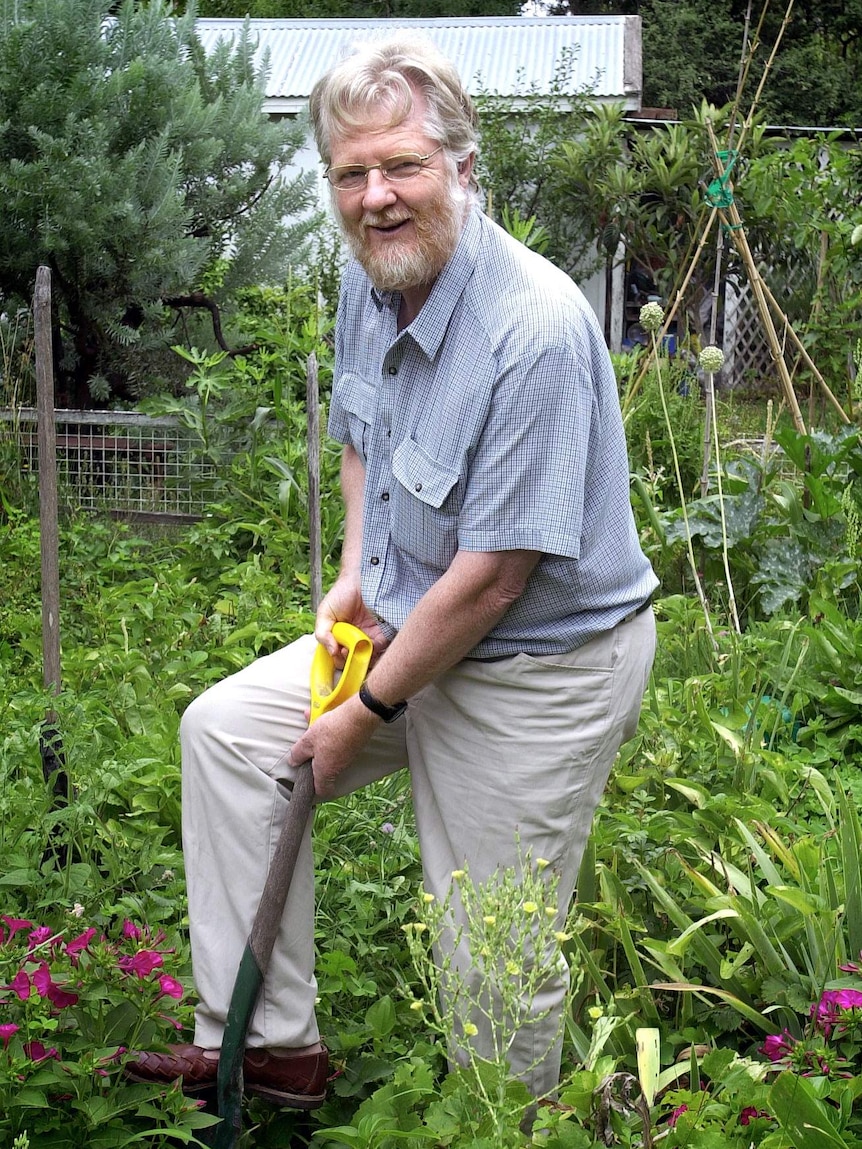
{"x": 382, "y": 219}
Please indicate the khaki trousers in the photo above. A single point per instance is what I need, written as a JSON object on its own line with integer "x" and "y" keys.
{"x": 499, "y": 753}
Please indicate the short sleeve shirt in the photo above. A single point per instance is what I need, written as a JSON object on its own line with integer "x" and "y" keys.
{"x": 490, "y": 423}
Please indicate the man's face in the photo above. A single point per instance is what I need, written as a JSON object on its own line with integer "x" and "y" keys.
{"x": 402, "y": 232}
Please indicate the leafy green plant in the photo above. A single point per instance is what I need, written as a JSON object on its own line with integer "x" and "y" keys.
{"x": 73, "y": 1004}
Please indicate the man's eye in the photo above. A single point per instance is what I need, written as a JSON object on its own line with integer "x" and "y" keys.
{"x": 402, "y": 169}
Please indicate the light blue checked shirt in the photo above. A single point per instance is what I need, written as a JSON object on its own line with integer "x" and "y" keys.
{"x": 490, "y": 423}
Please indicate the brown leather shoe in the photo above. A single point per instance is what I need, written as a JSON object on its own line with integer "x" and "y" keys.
{"x": 196, "y": 1066}
{"x": 295, "y": 1078}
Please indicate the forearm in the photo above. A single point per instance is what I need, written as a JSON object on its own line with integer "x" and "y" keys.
{"x": 352, "y": 493}
{"x": 450, "y": 619}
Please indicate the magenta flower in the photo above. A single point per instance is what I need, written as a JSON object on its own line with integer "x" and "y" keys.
{"x": 37, "y": 1052}
{"x": 39, "y": 936}
{"x": 130, "y": 930}
{"x": 848, "y": 998}
{"x": 14, "y": 924}
{"x": 677, "y": 1113}
{"x": 170, "y": 987}
{"x": 81, "y": 942}
{"x": 749, "y": 1113}
{"x": 47, "y": 987}
{"x": 778, "y": 1045}
{"x": 20, "y": 984}
{"x": 142, "y": 964}
{"x": 6, "y": 1032}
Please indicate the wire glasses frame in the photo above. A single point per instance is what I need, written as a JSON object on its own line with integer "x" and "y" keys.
{"x": 352, "y": 177}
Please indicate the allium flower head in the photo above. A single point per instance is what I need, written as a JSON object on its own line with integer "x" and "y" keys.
{"x": 651, "y": 316}
{"x": 711, "y": 359}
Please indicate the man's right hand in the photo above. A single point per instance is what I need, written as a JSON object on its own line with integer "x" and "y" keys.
{"x": 344, "y": 603}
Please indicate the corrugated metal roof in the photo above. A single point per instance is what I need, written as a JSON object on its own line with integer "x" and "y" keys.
{"x": 506, "y": 55}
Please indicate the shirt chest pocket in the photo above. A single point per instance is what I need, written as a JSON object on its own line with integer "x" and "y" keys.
{"x": 426, "y": 500}
{"x": 358, "y": 398}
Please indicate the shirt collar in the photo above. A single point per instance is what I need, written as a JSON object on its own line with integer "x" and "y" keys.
{"x": 429, "y": 326}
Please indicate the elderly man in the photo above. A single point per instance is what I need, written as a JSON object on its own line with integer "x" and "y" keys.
{"x": 489, "y": 551}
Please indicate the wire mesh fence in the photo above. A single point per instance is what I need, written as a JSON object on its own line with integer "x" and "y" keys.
{"x": 121, "y": 462}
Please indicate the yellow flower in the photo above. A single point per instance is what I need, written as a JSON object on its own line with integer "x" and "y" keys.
{"x": 458, "y": 874}
{"x": 562, "y": 937}
{"x": 489, "y": 920}
{"x": 550, "y": 911}
{"x": 417, "y": 1005}
{"x": 530, "y": 907}
{"x": 541, "y": 863}
{"x": 512, "y": 968}
{"x": 420, "y": 927}
{"x": 470, "y": 1029}
{"x": 428, "y": 899}
{"x": 595, "y": 1012}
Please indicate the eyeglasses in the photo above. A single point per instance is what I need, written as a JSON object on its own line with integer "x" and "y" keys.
{"x": 352, "y": 177}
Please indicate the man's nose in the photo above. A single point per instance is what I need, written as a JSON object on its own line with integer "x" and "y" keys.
{"x": 379, "y": 191}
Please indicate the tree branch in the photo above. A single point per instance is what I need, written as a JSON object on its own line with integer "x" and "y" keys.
{"x": 199, "y": 300}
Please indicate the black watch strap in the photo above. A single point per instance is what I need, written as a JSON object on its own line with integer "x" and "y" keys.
{"x": 387, "y": 713}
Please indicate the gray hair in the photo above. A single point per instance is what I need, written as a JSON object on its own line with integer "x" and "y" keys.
{"x": 381, "y": 77}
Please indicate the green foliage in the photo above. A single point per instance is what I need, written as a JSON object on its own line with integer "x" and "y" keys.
{"x": 516, "y": 163}
{"x": 131, "y": 165}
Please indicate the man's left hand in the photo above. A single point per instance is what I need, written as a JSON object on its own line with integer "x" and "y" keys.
{"x": 333, "y": 742}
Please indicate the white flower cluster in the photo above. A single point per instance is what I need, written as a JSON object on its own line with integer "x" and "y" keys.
{"x": 711, "y": 359}
{"x": 651, "y": 316}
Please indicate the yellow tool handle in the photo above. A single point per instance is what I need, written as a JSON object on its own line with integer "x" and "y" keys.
{"x": 326, "y": 693}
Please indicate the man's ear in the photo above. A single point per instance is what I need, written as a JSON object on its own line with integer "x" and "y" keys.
{"x": 465, "y": 170}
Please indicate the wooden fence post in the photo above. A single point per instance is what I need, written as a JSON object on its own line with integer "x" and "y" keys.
{"x": 51, "y": 745}
{"x": 315, "y": 560}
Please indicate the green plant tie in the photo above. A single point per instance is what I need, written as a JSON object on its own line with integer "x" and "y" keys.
{"x": 718, "y": 194}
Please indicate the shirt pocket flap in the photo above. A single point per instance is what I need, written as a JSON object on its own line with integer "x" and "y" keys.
{"x": 357, "y": 396}
{"x": 427, "y": 479}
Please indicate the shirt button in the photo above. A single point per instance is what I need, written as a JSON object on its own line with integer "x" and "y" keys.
{"x": 393, "y": 370}
{"x": 385, "y": 496}
{"x": 374, "y": 561}
{"x": 418, "y": 488}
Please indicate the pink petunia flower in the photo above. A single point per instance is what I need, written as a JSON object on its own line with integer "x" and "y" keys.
{"x": 6, "y": 1032}
{"x": 20, "y": 984}
{"x": 749, "y": 1113}
{"x": 142, "y": 964}
{"x": 170, "y": 987}
{"x": 39, "y": 936}
{"x": 848, "y": 998}
{"x": 777, "y": 1045}
{"x": 37, "y": 1052}
{"x": 81, "y": 942}
{"x": 47, "y": 987}
{"x": 130, "y": 930}
{"x": 14, "y": 924}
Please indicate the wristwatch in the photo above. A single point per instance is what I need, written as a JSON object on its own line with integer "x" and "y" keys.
{"x": 387, "y": 713}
